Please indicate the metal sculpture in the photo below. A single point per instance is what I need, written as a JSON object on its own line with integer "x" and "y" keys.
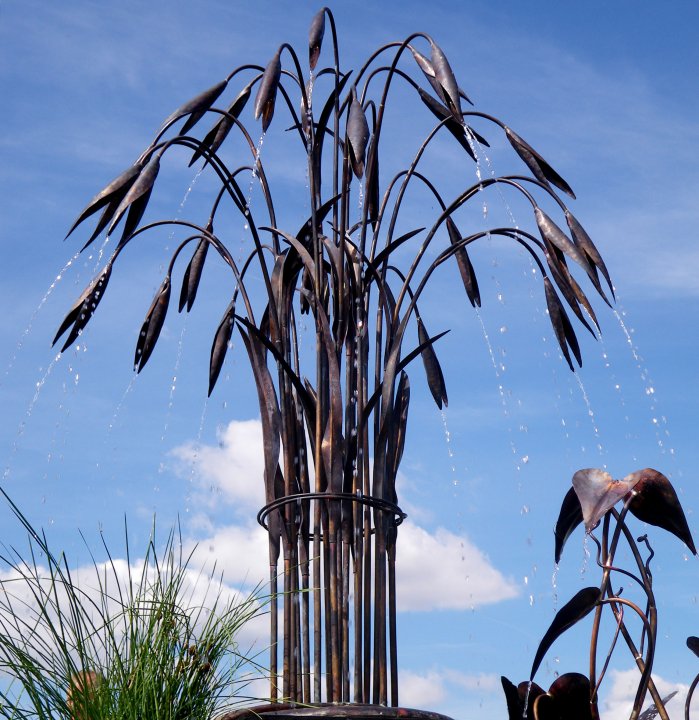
{"x": 649, "y": 496}
{"x": 334, "y": 431}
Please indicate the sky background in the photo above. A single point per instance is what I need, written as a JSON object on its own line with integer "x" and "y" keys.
{"x": 605, "y": 91}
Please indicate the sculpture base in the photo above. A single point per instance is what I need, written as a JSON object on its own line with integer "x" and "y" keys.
{"x": 330, "y": 711}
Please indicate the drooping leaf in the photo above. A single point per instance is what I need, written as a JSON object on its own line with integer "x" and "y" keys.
{"x": 357, "y": 135}
{"x": 117, "y": 188}
{"x": 372, "y": 182}
{"x": 561, "y": 325}
{"x": 571, "y": 291}
{"x": 551, "y": 233}
{"x": 584, "y": 242}
{"x": 433, "y": 370}
{"x": 468, "y": 274}
{"x": 445, "y": 77}
{"x": 152, "y": 325}
{"x": 267, "y": 92}
{"x": 219, "y": 347}
{"x": 655, "y": 502}
{"x": 219, "y": 132}
{"x": 84, "y": 308}
{"x": 192, "y": 276}
{"x": 598, "y": 492}
{"x": 396, "y": 443}
{"x": 196, "y": 107}
{"x": 442, "y": 113}
{"x": 540, "y": 168}
{"x": 569, "y": 518}
{"x": 315, "y": 37}
{"x": 693, "y": 644}
{"x": 573, "y": 611}
{"x": 139, "y": 190}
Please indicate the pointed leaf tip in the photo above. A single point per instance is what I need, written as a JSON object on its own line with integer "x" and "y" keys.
{"x": 152, "y": 325}
{"x": 655, "y": 501}
{"x": 196, "y": 107}
{"x": 569, "y": 518}
{"x": 220, "y": 344}
{"x": 433, "y": 370}
{"x": 447, "y": 82}
{"x": 267, "y": 92}
{"x": 541, "y": 170}
{"x": 598, "y": 492}
{"x": 357, "y": 135}
{"x": 315, "y": 38}
{"x": 573, "y": 611}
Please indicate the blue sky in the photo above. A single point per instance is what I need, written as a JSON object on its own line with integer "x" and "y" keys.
{"x": 606, "y": 92}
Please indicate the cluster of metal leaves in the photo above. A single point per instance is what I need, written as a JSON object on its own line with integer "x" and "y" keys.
{"x": 334, "y": 433}
{"x": 651, "y": 498}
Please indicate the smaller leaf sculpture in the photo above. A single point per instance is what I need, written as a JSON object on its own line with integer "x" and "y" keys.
{"x": 597, "y": 492}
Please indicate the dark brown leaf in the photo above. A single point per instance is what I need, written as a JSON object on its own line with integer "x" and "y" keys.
{"x": 693, "y": 644}
{"x": 196, "y": 107}
{"x": 435, "y": 378}
{"x": 357, "y": 135}
{"x": 442, "y": 113}
{"x": 84, "y": 308}
{"x": 569, "y": 518}
{"x": 315, "y": 37}
{"x": 267, "y": 92}
{"x": 573, "y": 611}
{"x": 541, "y": 170}
{"x": 139, "y": 190}
{"x": 571, "y": 694}
{"x": 468, "y": 274}
{"x": 584, "y": 242}
{"x": 219, "y": 347}
{"x": 115, "y": 190}
{"x": 192, "y": 276}
{"x": 655, "y": 502}
{"x": 551, "y": 233}
{"x": 152, "y": 325}
{"x": 219, "y": 132}
{"x": 447, "y": 82}
{"x": 517, "y": 696}
{"x": 561, "y": 325}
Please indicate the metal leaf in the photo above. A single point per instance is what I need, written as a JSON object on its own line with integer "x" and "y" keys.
{"x": 315, "y": 37}
{"x": 561, "y": 324}
{"x": 584, "y": 242}
{"x": 219, "y": 132}
{"x": 357, "y": 135}
{"x": 399, "y": 427}
{"x": 196, "y": 107}
{"x": 571, "y": 697}
{"x": 693, "y": 644}
{"x": 598, "y": 492}
{"x": 468, "y": 274}
{"x": 435, "y": 378}
{"x": 571, "y": 291}
{"x": 540, "y": 168}
{"x": 267, "y": 92}
{"x": 655, "y": 502}
{"x": 652, "y": 711}
{"x": 192, "y": 276}
{"x": 371, "y": 189}
{"x": 152, "y": 325}
{"x": 551, "y": 233}
{"x": 517, "y": 695}
{"x": 569, "y": 518}
{"x": 140, "y": 189}
{"x": 84, "y": 308}
{"x": 447, "y": 82}
{"x": 573, "y": 611}
{"x": 117, "y": 188}
{"x": 458, "y": 130}
{"x": 220, "y": 344}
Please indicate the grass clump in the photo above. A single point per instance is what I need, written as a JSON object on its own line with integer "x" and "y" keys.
{"x": 145, "y": 640}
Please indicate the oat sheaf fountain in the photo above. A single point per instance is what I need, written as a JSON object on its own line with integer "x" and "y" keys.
{"x": 334, "y": 420}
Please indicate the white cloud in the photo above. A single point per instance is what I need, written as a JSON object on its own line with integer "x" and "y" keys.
{"x": 445, "y": 571}
{"x": 617, "y": 704}
{"x": 434, "y": 687}
{"x": 234, "y": 469}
